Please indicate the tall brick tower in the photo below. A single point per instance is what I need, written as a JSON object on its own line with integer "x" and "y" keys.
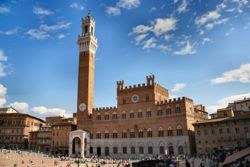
{"x": 87, "y": 43}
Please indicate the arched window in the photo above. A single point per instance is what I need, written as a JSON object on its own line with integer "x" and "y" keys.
{"x": 140, "y": 135}
{"x": 180, "y": 150}
{"x": 114, "y": 115}
{"x": 132, "y": 150}
{"x": 124, "y": 134}
{"x": 98, "y": 117}
{"x": 124, "y": 115}
{"x": 131, "y": 114}
{"x": 149, "y": 133}
{"x": 106, "y": 134}
{"x": 179, "y": 130}
{"x": 98, "y": 135}
{"x": 177, "y": 108}
{"x": 115, "y": 134}
{"x": 159, "y": 111}
{"x": 106, "y": 116}
{"x": 139, "y": 114}
{"x": 132, "y": 133}
{"x": 168, "y": 111}
{"x": 170, "y": 131}
{"x": 160, "y": 132}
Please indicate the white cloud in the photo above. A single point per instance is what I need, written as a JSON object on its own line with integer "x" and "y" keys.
{"x": 43, "y": 32}
{"x": 241, "y": 74}
{"x": 3, "y": 92}
{"x": 164, "y": 47}
{"x": 241, "y": 4}
{"x": 206, "y": 40}
{"x": 162, "y": 26}
{"x": 9, "y": 32}
{"x": 183, "y": 7}
{"x": 61, "y": 36}
{"x": 140, "y": 38}
{"x": 222, "y": 103}
{"x": 128, "y": 4}
{"x": 178, "y": 87}
{"x": 76, "y": 5}
{"x": 20, "y": 106}
{"x": 42, "y": 11}
{"x": 4, "y": 9}
{"x": 38, "y": 34}
{"x": 150, "y": 43}
{"x": 113, "y": 11}
{"x": 153, "y": 9}
{"x": 3, "y": 57}
{"x": 141, "y": 29}
{"x": 211, "y": 25}
{"x": 55, "y": 27}
{"x": 188, "y": 49}
{"x": 210, "y": 16}
{"x": 44, "y": 111}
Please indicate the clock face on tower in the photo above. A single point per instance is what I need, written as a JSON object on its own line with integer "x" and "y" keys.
{"x": 135, "y": 98}
{"x": 82, "y": 107}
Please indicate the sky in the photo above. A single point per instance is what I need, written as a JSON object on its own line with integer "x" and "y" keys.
{"x": 195, "y": 48}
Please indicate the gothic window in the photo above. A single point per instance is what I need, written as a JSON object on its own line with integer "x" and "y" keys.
{"x": 179, "y": 130}
{"x": 115, "y": 134}
{"x": 115, "y": 150}
{"x": 140, "y": 135}
{"x": 161, "y": 150}
{"x": 139, "y": 114}
{"x": 168, "y": 111}
{"x": 150, "y": 150}
{"x": 180, "y": 150}
{"x": 124, "y": 134}
{"x": 106, "y": 135}
{"x": 106, "y": 151}
{"x": 159, "y": 113}
{"x": 124, "y": 150}
{"x": 148, "y": 114}
{"x": 124, "y": 115}
{"x": 141, "y": 150}
{"x": 132, "y": 133}
{"x": 177, "y": 109}
{"x": 170, "y": 131}
{"x": 132, "y": 150}
{"x": 160, "y": 132}
{"x": 131, "y": 115}
{"x": 98, "y": 117}
{"x": 98, "y": 135}
{"x": 114, "y": 116}
{"x": 149, "y": 133}
{"x": 106, "y": 116}
{"x": 220, "y": 131}
{"x": 123, "y": 101}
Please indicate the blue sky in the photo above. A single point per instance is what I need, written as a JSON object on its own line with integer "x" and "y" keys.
{"x": 199, "y": 49}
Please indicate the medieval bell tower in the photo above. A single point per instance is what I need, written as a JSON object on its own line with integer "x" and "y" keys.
{"x": 87, "y": 44}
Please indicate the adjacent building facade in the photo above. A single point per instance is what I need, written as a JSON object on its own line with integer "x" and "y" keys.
{"x": 16, "y": 127}
{"x": 228, "y": 128}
